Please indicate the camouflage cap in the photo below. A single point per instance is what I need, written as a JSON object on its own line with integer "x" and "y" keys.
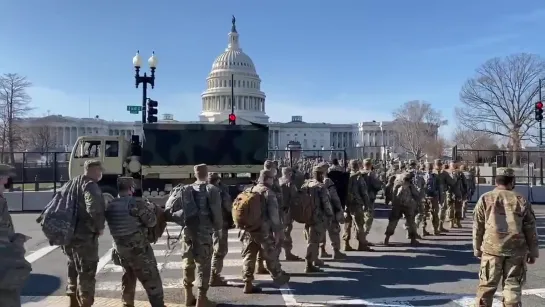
{"x": 437, "y": 162}
{"x": 354, "y": 163}
{"x": 507, "y": 172}
{"x": 366, "y": 161}
{"x": 91, "y": 163}
{"x": 287, "y": 170}
{"x": 200, "y": 168}
{"x": 324, "y": 166}
{"x": 268, "y": 164}
{"x": 265, "y": 174}
{"x": 318, "y": 169}
{"x": 412, "y": 162}
{"x": 7, "y": 170}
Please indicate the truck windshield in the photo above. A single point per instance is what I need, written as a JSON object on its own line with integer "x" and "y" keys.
{"x": 191, "y": 144}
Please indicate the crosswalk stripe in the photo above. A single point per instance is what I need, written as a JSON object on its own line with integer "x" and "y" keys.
{"x": 175, "y": 230}
{"x": 173, "y": 283}
{"x": 469, "y": 301}
{"x": 171, "y": 265}
{"x": 178, "y": 252}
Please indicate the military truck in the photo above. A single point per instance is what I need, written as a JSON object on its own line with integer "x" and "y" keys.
{"x": 165, "y": 155}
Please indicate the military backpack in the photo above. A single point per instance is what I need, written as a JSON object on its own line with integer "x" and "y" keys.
{"x": 302, "y": 209}
{"x": 182, "y": 208}
{"x": 247, "y": 210}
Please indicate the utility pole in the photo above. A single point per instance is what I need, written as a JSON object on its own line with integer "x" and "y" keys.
{"x": 232, "y": 93}
{"x": 540, "y": 127}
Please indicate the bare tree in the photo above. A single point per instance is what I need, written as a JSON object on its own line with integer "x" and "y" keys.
{"x": 416, "y": 124}
{"x": 473, "y": 140}
{"x": 42, "y": 138}
{"x": 434, "y": 149}
{"x": 498, "y": 99}
{"x": 14, "y": 104}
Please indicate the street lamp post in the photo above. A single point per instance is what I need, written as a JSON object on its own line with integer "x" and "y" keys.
{"x": 382, "y": 147}
{"x": 145, "y": 79}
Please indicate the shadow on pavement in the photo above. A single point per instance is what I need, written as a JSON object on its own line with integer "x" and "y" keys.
{"x": 41, "y": 285}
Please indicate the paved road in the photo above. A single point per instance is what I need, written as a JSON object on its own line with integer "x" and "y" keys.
{"x": 440, "y": 272}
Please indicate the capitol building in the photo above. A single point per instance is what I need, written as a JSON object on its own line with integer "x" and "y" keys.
{"x": 234, "y": 74}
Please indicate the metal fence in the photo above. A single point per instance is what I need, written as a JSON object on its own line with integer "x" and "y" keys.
{"x": 292, "y": 156}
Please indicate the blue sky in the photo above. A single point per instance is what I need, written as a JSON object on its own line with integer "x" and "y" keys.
{"x": 330, "y": 61}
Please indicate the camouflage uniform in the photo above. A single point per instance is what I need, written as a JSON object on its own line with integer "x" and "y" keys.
{"x": 505, "y": 238}
{"x": 315, "y": 229}
{"x": 82, "y": 251}
{"x": 373, "y": 186}
{"x": 14, "y": 269}
{"x": 389, "y": 184}
{"x": 358, "y": 199}
{"x": 334, "y": 228}
{"x": 470, "y": 188}
{"x": 128, "y": 220}
{"x": 455, "y": 196}
{"x": 446, "y": 182}
{"x": 289, "y": 196}
{"x": 220, "y": 238}
{"x": 431, "y": 203}
{"x": 264, "y": 238}
{"x": 403, "y": 205}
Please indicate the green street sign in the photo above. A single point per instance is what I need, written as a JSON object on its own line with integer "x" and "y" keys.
{"x": 134, "y": 109}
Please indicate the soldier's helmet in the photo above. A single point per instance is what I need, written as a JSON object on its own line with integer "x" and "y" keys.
{"x": 507, "y": 172}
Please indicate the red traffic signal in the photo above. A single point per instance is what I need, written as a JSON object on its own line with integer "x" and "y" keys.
{"x": 232, "y": 117}
{"x": 539, "y": 105}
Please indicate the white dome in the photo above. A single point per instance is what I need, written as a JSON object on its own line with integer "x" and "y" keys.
{"x": 234, "y": 60}
{"x": 233, "y": 74}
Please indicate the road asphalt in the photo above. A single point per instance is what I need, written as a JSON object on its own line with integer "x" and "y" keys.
{"x": 442, "y": 271}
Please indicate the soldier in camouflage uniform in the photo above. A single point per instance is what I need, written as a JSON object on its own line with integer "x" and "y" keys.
{"x": 128, "y": 220}
{"x": 470, "y": 188}
{"x": 264, "y": 239}
{"x": 445, "y": 182}
{"x": 334, "y": 229}
{"x": 405, "y": 196}
{"x": 14, "y": 269}
{"x": 373, "y": 186}
{"x": 197, "y": 242}
{"x": 455, "y": 195}
{"x": 432, "y": 193}
{"x": 289, "y": 196}
{"x": 322, "y": 214}
{"x": 82, "y": 251}
{"x": 418, "y": 183}
{"x": 358, "y": 199}
{"x": 505, "y": 238}
{"x": 270, "y": 165}
{"x": 335, "y": 166}
{"x": 389, "y": 184}
{"x": 220, "y": 238}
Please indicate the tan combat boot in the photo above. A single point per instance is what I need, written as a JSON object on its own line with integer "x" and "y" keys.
{"x": 337, "y": 254}
{"x": 73, "y": 300}
{"x": 347, "y": 247}
{"x": 203, "y": 301}
{"x": 190, "y": 299}
{"x": 311, "y": 268}
{"x": 217, "y": 281}
{"x": 249, "y": 288}
{"x": 260, "y": 268}
{"x": 323, "y": 253}
{"x": 364, "y": 247}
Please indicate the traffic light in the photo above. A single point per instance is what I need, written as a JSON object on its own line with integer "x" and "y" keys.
{"x": 152, "y": 111}
{"x": 232, "y": 119}
{"x": 539, "y": 111}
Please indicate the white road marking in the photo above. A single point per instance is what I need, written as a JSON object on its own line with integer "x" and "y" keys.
{"x": 172, "y": 283}
{"x": 171, "y": 265}
{"x": 103, "y": 261}
{"x": 32, "y": 257}
{"x": 469, "y": 301}
{"x": 178, "y": 252}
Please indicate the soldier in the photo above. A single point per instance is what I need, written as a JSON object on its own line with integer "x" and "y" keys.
{"x": 404, "y": 200}
{"x": 82, "y": 251}
{"x": 432, "y": 191}
{"x": 389, "y": 184}
{"x": 220, "y": 238}
{"x": 14, "y": 269}
{"x": 335, "y": 166}
{"x": 356, "y": 202}
{"x": 418, "y": 183}
{"x": 334, "y": 228}
{"x": 505, "y": 239}
{"x": 373, "y": 186}
{"x": 264, "y": 239}
{"x": 128, "y": 220}
{"x": 289, "y": 196}
{"x": 455, "y": 195}
{"x": 269, "y": 165}
{"x": 322, "y": 214}
{"x": 445, "y": 182}
{"x": 470, "y": 188}
{"x": 197, "y": 243}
